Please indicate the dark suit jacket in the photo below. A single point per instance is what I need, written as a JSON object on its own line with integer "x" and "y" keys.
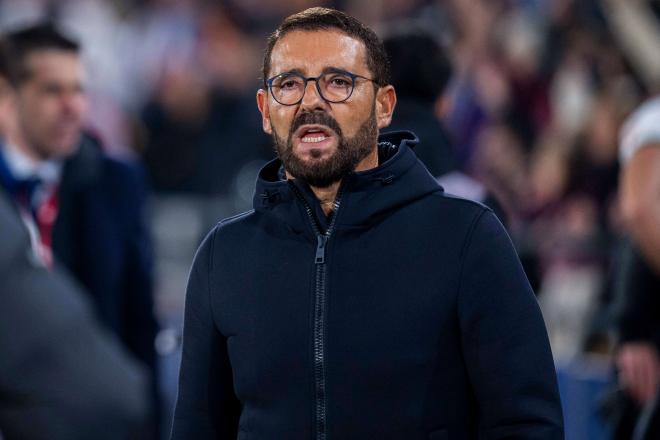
{"x": 101, "y": 237}
{"x": 61, "y": 376}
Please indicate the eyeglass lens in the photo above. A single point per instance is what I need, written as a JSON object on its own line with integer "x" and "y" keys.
{"x": 290, "y": 88}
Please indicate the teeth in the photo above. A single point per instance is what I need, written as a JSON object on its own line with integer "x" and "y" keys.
{"x": 313, "y": 138}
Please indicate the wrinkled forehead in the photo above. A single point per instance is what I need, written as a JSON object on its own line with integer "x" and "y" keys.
{"x": 312, "y": 52}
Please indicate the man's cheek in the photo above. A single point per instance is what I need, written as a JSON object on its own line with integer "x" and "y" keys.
{"x": 282, "y": 131}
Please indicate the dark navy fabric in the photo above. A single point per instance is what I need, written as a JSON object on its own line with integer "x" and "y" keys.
{"x": 100, "y": 235}
{"x": 432, "y": 330}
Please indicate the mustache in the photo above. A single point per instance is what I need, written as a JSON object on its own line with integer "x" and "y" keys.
{"x": 318, "y": 118}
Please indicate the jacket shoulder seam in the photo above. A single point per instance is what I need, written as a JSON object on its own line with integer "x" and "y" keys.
{"x": 233, "y": 218}
{"x": 224, "y": 223}
{"x": 208, "y": 273}
{"x": 466, "y": 244}
{"x": 460, "y": 199}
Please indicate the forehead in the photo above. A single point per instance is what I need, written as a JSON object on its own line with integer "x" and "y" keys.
{"x": 312, "y": 51}
{"x": 53, "y": 63}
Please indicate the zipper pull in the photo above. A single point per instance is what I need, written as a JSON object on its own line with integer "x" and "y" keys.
{"x": 321, "y": 241}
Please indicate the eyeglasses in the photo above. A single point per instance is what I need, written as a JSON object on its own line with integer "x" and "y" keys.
{"x": 334, "y": 86}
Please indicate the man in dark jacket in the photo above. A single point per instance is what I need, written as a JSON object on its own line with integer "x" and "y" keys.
{"x": 357, "y": 300}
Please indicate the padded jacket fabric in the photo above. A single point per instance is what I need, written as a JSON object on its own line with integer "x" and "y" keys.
{"x": 412, "y": 318}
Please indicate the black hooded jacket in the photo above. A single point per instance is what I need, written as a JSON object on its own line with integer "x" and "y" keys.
{"x": 405, "y": 315}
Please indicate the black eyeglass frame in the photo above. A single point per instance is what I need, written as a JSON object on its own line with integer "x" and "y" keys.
{"x": 316, "y": 79}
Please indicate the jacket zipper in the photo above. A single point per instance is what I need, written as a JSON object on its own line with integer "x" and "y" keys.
{"x": 319, "y": 310}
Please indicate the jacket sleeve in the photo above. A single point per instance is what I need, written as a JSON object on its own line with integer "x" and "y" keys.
{"x": 504, "y": 340}
{"x": 139, "y": 323}
{"x": 207, "y": 407}
{"x": 129, "y": 309}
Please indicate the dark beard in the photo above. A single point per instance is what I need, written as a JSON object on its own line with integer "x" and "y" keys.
{"x": 350, "y": 151}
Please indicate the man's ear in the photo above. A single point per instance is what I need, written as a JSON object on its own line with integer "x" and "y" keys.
{"x": 262, "y": 104}
{"x": 385, "y": 103}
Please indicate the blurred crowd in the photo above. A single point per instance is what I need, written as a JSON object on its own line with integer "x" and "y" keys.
{"x": 531, "y": 104}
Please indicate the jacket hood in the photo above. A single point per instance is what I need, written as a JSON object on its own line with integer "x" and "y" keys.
{"x": 364, "y": 196}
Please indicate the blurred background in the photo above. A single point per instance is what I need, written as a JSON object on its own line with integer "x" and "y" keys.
{"x": 532, "y": 112}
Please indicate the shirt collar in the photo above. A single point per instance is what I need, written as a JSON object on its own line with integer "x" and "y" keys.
{"x": 22, "y": 166}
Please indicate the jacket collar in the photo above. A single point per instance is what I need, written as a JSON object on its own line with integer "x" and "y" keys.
{"x": 84, "y": 167}
{"x": 16, "y": 169}
{"x": 364, "y": 196}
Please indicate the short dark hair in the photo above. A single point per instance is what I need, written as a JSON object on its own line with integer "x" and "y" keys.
{"x": 314, "y": 19}
{"x": 421, "y": 68}
{"x": 20, "y": 43}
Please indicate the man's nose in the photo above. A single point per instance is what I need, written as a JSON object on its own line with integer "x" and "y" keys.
{"x": 73, "y": 103}
{"x": 312, "y": 99}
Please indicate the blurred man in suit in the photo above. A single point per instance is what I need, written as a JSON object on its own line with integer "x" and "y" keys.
{"x": 82, "y": 208}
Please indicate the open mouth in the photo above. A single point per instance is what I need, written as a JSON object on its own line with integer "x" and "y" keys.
{"x": 312, "y": 134}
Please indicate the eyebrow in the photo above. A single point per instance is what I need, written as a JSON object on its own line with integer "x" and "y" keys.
{"x": 327, "y": 69}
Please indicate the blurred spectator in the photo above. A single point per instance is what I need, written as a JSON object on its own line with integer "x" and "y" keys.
{"x": 420, "y": 72}
{"x": 61, "y": 376}
{"x": 638, "y": 358}
{"x": 82, "y": 208}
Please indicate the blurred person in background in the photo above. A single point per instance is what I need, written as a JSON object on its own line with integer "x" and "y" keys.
{"x": 356, "y": 300}
{"x": 636, "y": 26}
{"x": 62, "y": 376}
{"x": 421, "y": 71}
{"x": 82, "y": 208}
{"x": 638, "y": 307}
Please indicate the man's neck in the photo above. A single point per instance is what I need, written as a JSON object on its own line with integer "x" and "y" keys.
{"x": 327, "y": 195}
